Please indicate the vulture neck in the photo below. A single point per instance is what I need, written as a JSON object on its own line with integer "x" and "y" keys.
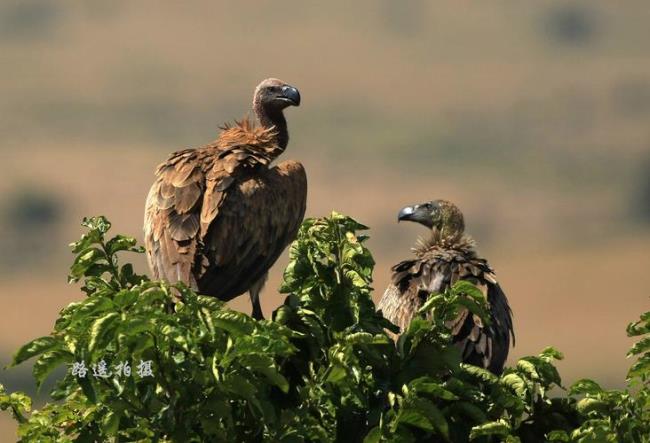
{"x": 273, "y": 118}
{"x": 440, "y": 239}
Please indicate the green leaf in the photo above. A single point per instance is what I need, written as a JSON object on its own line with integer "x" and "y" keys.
{"x": 336, "y": 373}
{"x": 414, "y": 417}
{"x": 585, "y": 386}
{"x": 432, "y": 302}
{"x": 479, "y": 373}
{"x": 241, "y": 387}
{"x": 135, "y": 326}
{"x": 639, "y": 347}
{"x": 21, "y": 400}
{"x": 499, "y": 428}
{"x": 355, "y": 278}
{"x": 91, "y": 307}
{"x": 233, "y": 322}
{"x": 426, "y": 385}
{"x": 550, "y": 353}
{"x": 35, "y": 347}
{"x": 84, "y": 261}
{"x": 266, "y": 366}
{"x": 528, "y": 368}
{"x": 434, "y": 415}
{"x": 17, "y": 402}
{"x": 110, "y": 424}
{"x": 639, "y": 327}
{"x": 589, "y": 404}
{"x": 516, "y": 383}
{"x": 468, "y": 410}
{"x": 469, "y": 289}
{"x": 49, "y": 361}
{"x": 87, "y": 388}
{"x": 210, "y": 303}
{"x": 424, "y": 414}
{"x": 125, "y": 298}
{"x": 154, "y": 295}
{"x": 641, "y": 368}
{"x": 87, "y": 240}
{"x": 474, "y": 308}
{"x": 122, "y": 243}
{"x": 97, "y": 223}
{"x": 176, "y": 335}
{"x": 101, "y": 331}
{"x": 373, "y": 436}
{"x": 558, "y": 436}
{"x": 359, "y": 338}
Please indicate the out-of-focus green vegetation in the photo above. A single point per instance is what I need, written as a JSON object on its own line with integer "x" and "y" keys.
{"x": 31, "y": 220}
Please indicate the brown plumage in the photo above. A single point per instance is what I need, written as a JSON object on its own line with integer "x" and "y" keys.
{"x": 218, "y": 217}
{"x": 446, "y": 257}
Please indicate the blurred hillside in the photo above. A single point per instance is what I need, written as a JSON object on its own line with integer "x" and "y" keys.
{"x": 532, "y": 116}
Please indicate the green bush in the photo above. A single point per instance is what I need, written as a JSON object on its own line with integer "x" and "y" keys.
{"x": 322, "y": 370}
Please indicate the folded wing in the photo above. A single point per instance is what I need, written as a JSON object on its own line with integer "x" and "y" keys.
{"x": 218, "y": 219}
{"x": 413, "y": 280}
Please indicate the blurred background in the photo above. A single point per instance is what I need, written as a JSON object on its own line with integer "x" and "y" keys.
{"x": 534, "y": 117}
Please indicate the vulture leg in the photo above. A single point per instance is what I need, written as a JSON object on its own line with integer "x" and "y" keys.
{"x": 254, "y": 293}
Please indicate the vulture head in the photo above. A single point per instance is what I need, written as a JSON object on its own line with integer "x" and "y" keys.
{"x": 274, "y": 95}
{"x": 440, "y": 215}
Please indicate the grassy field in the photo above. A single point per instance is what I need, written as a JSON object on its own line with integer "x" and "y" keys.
{"x": 532, "y": 116}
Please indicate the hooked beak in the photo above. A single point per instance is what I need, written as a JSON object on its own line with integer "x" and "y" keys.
{"x": 291, "y": 94}
{"x": 406, "y": 213}
{"x": 417, "y": 213}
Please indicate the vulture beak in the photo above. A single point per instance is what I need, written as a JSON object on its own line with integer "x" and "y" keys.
{"x": 417, "y": 213}
{"x": 291, "y": 94}
{"x": 406, "y": 213}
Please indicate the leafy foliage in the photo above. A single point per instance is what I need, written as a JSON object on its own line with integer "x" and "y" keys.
{"x": 322, "y": 370}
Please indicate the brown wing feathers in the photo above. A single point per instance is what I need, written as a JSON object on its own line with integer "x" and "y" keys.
{"x": 192, "y": 187}
{"x": 171, "y": 218}
{"x": 414, "y": 280}
{"x": 270, "y": 205}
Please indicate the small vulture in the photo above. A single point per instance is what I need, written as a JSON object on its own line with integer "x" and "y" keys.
{"x": 448, "y": 256}
{"x": 218, "y": 217}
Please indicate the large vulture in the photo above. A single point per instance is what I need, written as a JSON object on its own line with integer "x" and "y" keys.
{"x": 446, "y": 257}
{"x": 218, "y": 217}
